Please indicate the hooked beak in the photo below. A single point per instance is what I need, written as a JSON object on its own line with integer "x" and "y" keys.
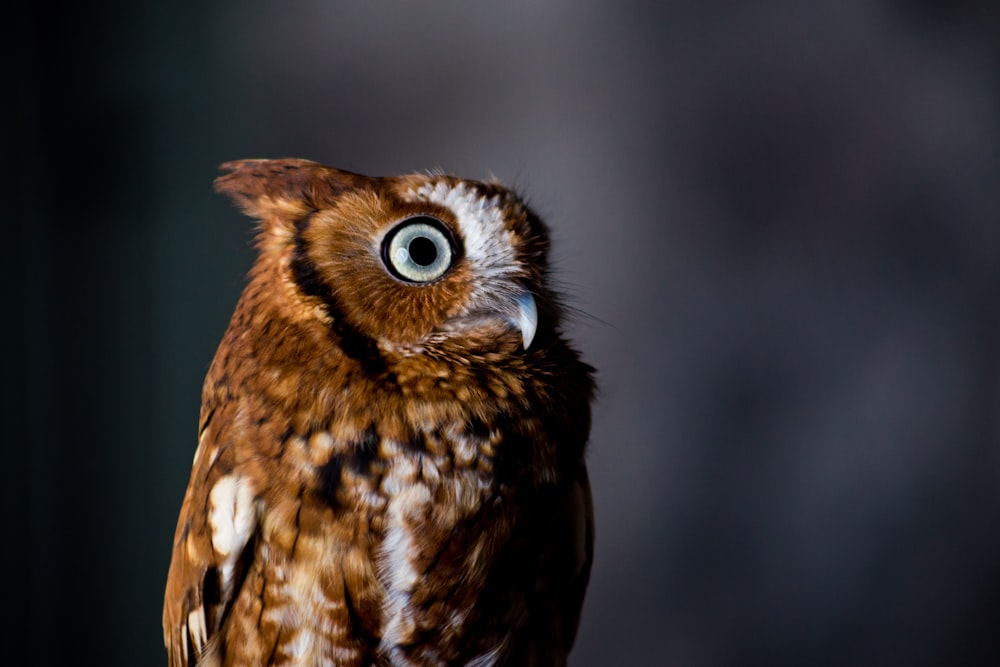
{"x": 524, "y": 317}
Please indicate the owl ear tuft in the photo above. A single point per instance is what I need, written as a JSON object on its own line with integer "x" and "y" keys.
{"x": 286, "y": 187}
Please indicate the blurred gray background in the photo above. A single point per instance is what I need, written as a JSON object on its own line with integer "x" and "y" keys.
{"x": 781, "y": 219}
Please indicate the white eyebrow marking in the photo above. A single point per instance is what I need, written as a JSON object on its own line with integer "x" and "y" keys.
{"x": 481, "y": 221}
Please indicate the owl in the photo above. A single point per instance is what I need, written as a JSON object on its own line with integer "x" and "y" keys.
{"x": 390, "y": 464}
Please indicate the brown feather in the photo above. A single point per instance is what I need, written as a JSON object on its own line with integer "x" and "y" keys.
{"x": 384, "y": 475}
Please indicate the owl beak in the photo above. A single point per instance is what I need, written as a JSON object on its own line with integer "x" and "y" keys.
{"x": 525, "y": 317}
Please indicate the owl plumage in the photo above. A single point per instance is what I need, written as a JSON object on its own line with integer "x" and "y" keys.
{"x": 390, "y": 465}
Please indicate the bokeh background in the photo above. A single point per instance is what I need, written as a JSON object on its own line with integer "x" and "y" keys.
{"x": 782, "y": 221}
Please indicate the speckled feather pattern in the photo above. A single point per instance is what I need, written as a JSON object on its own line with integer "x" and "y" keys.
{"x": 384, "y": 475}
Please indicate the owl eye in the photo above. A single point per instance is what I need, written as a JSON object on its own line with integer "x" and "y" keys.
{"x": 418, "y": 250}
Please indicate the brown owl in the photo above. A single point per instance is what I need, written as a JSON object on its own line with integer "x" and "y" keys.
{"x": 390, "y": 464}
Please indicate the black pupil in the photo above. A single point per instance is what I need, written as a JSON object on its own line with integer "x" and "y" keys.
{"x": 423, "y": 251}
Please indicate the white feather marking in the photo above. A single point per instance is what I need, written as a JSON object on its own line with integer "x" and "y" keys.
{"x": 301, "y": 646}
{"x": 320, "y": 447}
{"x": 400, "y": 577}
{"x": 302, "y": 588}
{"x": 465, "y": 449}
{"x": 226, "y": 572}
{"x": 402, "y": 475}
{"x": 197, "y": 628}
{"x": 201, "y": 443}
{"x": 222, "y": 500}
{"x": 231, "y": 517}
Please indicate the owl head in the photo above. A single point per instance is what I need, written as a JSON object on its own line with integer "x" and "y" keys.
{"x": 407, "y": 263}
